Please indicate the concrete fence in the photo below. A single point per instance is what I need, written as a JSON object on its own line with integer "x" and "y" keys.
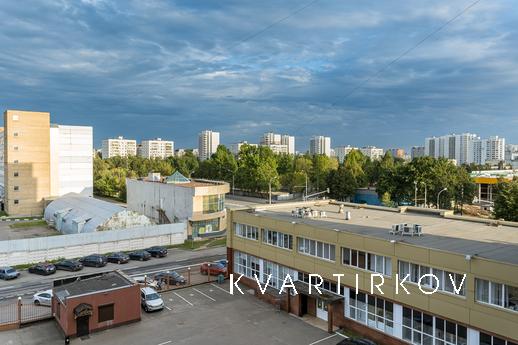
{"x": 31, "y": 250}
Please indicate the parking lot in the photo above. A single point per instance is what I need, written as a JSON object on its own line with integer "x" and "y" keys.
{"x": 195, "y": 315}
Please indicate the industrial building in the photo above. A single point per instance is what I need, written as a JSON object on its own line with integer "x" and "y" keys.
{"x": 41, "y": 160}
{"x": 200, "y": 203}
{"x": 329, "y": 238}
{"x": 74, "y": 213}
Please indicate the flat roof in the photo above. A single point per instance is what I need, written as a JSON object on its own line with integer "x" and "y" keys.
{"x": 89, "y": 285}
{"x": 499, "y": 243}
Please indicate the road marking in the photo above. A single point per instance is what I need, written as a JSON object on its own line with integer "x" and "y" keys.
{"x": 167, "y": 307}
{"x": 204, "y": 294}
{"x": 166, "y": 342}
{"x": 218, "y": 287}
{"x": 184, "y": 299}
{"x": 321, "y": 340}
{"x": 7, "y": 287}
{"x": 342, "y": 335}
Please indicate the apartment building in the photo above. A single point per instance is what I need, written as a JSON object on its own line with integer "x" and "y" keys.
{"x": 475, "y": 295}
{"x": 511, "y": 152}
{"x": 341, "y": 151}
{"x": 41, "y": 161}
{"x": 460, "y": 147}
{"x": 320, "y": 145}
{"x": 372, "y": 152}
{"x": 119, "y": 146}
{"x": 236, "y": 147}
{"x": 208, "y": 142}
{"x": 417, "y": 151}
{"x": 279, "y": 143}
{"x": 199, "y": 203}
{"x": 156, "y": 148}
{"x": 397, "y": 152}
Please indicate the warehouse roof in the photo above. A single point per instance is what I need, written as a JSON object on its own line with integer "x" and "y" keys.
{"x": 499, "y": 243}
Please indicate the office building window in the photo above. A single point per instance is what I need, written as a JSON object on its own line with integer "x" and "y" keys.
{"x": 425, "y": 329}
{"x": 486, "y": 339}
{"x": 106, "y": 312}
{"x": 367, "y": 261}
{"x": 16, "y": 117}
{"x": 501, "y": 295}
{"x": 15, "y": 161}
{"x": 15, "y": 148}
{"x": 213, "y": 203}
{"x": 416, "y": 271}
{"x": 317, "y": 249}
{"x": 246, "y": 231}
{"x": 277, "y": 239}
{"x": 16, "y": 188}
{"x": 16, "y": 174}
{"x": 204, "y": 227}
{"x": 16, "y": 201}
{"x": 372, "y": 311}
{"x": 15, "y": 134}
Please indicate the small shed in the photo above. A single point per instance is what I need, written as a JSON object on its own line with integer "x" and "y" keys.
{"x": 74, "y": 213}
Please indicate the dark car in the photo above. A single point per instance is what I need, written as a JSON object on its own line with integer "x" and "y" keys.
{"x": 157, "y": 252}
{"x": 94, "y": 260}
{"x": 69, "y": 265}
{"x": 140, "y": 255}
{"x": 43, "y": 268}
{"x": 359, "y": 341}
{"x": 118, "y": 258}
{"x": 170, "y": 278}
{"x": 7, "y": 273}
{"x": 215, "y": 268}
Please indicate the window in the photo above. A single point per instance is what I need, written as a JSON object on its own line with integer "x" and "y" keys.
{"x": 246, "y": 231}
{"x": 445, "y": 278}
{"x": 15, "y": 134}
{"x": 425, "y": 329}
{"x": 16, "y": 201}
{"x": 16, "y": 117}
{"x": 486, "y": 339}
{"x": 106, "y": 312}
{"x": 371, "y": 262}
{"x": 213, "y": 203}
{"x": 277, "y": 239}
{"x": 15, "y": 161}
{"x": 203, "y": 227}
{"x": 497, "y": 294}
{"x": 15, "y": 148}
{"x": 16, "y": 174}
{"x": 372, "y": 311}
{"x": 16, "y": 188}
{"x": 316, "y": 248}
{"x": 326, "y": 285}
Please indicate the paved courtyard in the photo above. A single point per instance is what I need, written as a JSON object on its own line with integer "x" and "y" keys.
{"x": 197, "y": 315}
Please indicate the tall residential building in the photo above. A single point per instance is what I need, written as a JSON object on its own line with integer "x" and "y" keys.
{"x": 156, "y": 148}
{"x": 279, "y": 143}
{"x": 417, "y": 151}
{"x": 342, "y": 151}
{"x": 511, "y": 152}
{"x": 372, "y": 152}
{"x": 119, "y": 147}
{"x": 270, "y": 139}
{"x": 489, "y": 150}
{"x": 41, "y": 161}
{"x": 236, "y": 147}
{"x": 289, "y": 141}
{"x": 397, "y": 152}
{"x": 459, "y": 147}
{"x": 208, "y": 142}
{"x": 320, "y": 145}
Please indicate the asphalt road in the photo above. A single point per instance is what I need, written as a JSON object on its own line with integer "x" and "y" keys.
{"x": 28, "y": 284}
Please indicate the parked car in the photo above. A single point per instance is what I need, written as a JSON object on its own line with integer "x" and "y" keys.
{"x": 224, "y": 262}
{"x": 140, "y": 255}
{"x": 94, "y": 260}
{"x": 157, "y": 251}
{"x": 118, "y": 258}
{"x": 43, "y": 268}
{"x": 69, "y": 265}
{"x": 359, "y": 341}
{"x": 215, "y": 268}
{"x": 150, "y": 299}
{"x": 147, "y": 281}
{"x": 170, "y": 278}
{"x": 42, "y": 298}
{"x": 7, "y": 273}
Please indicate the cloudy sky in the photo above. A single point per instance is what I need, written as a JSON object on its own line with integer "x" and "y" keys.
{"x": 169, "y": 69}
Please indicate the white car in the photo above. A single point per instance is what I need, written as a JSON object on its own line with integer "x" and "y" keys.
{"x": 42, "y": 298}
{"x": 146, "y": 281}
{"x": 150, "y": 299}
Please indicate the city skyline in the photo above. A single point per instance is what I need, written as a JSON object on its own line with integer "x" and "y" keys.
{"x": 294, "y": 76}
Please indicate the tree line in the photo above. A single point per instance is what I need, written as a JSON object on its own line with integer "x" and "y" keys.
{"x": 256, "y": 168}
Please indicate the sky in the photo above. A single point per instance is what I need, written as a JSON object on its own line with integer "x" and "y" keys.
{"x": 169, "y": 69}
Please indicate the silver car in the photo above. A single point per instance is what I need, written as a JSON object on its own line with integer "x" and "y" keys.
{"x": 7, "y": 273}
{"x": 150, "y": 299}
{"x": 42, "y": 298}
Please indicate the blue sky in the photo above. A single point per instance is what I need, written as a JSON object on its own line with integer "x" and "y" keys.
{"x": 169, "y": 69}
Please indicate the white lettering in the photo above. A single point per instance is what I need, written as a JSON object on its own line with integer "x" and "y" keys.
{"x": 432, "y": 276}
{"x": 321, "y": 281}
{"x": 291, "y": 285}
{"x": 234, "y": 283}
{"x": 357, "y": 282}
{"x": 455, "y": 289}
{"x": 401, "y": 283}
{"x": 377, "y": 285}
{"x": 338, "y": 276}
{"x": 263, "y": 290}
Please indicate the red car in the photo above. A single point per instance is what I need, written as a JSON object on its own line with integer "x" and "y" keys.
{"x": 215, "y": 269}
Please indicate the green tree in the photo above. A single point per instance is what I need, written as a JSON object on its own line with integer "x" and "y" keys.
{"x": 354, "y": 163}
{"x": 257, "y": 168}
{"x": 342, "y": 183}
{"x": 320, "y": 168}
{"x": 506, "y": 201}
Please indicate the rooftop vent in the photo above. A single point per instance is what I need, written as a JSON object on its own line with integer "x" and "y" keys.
{"x": 405, "y": 229}
{"x": 307, "y": 212}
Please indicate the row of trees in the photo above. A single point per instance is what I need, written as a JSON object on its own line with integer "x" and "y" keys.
{"x": 256, "y": 169}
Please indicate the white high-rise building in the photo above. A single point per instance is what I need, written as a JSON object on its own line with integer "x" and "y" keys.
{"x": 342, "y": 151}
{"x": 119, "y": 147}
{"x": 511, "y": 152}
{"x": 289, "y": 141}
{"x": 156, "y": 148}
{"x": 458, "y": 147}
{"x": 372, "y": 152}
{"x": 490, "y": 150}
{"x": 417, "y": 151}
{"x": 270, "y": 139}
{"x": 320, "y": 145}
{"x": 236, "y": 147}
{"x": 278, "y": 143}
{"x": 208, "y": 142}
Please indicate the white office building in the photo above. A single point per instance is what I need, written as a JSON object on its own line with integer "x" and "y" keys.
{"x": 119, "y": 147}
{"x": 372, "y": 152}
{"x": 341, "y": 151}
{"x": 156, "y": 148}
{"x": 320, "y": 145}
{"x": 208, "y": 142}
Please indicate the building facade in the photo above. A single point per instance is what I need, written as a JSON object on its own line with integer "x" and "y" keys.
{"x": 372, "y": 152}
{"x": 341, "y": 151}
{"x": 199, "y": 203}
{"x": 476, "y": 292}
{"x": 236, "y": 147}
{"x": 461, "y": 147}
{"x": 208, "y": 142}
{"x": 511, "y": 153}
{"x": 279, "y": 143}
{"x": 320, "y": 145}
{"x": 41, "y": 161}
{"x": 156, "y": 148}
{"x": 417, "y": 151}
{"x": 119, "y": 147}
{"x": 397, "y": 152}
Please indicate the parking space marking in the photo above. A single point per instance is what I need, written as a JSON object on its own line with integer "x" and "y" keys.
{"x": 323, "y": 339}
{"x": 167, "y": 307}
{"x": 219, "y": 287}
{"x": 184, "y": 299}
{"x": 166, "y": 342}
{"x": 342, "y": 335}
{"x": 204, "y": 294}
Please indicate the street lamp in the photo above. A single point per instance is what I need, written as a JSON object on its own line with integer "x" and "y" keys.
{"x": 270, "y": 189}
{"x": 425, "y": 194}
{"x": 415, "y": 193}
{"x": 439, "y": 194}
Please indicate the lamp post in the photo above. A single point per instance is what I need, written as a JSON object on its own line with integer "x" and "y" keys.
{"x": 425, "y": 194}
{"x": 439, "y": 194}
{"x": 415, "y": 193}
{"x": 270, "y": 189}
